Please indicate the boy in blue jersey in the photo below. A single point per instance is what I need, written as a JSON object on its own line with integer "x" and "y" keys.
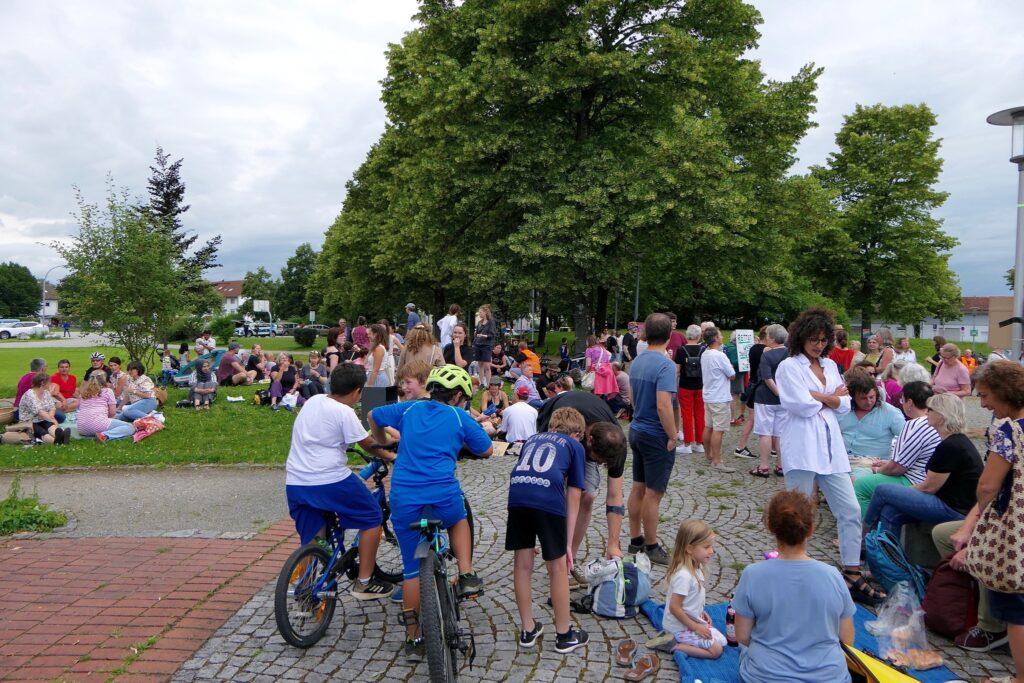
{"x": 433, "y": 432}
{"x": 537, "y": 495}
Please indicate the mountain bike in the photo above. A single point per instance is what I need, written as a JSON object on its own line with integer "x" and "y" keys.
{"x": 444, "y": 635}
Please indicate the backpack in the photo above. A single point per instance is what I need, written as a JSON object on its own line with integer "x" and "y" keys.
{"x": 951, "y": 601}
{"x": 889, "y": 563}
{"x": 620, "y": 594}
{"x": 261, "y": 397}
{"x": 691, "y": 365}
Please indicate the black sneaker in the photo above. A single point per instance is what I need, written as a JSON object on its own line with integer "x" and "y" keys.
{"x": 375, "y": 589}
{"x": 567, "y": 642}
{"x": 635, "y": 548}
{"x": 744, "y": 453}
{"x": 657, "y": 555}
{"x": 530, "y": 638}
{"x": 415, "y": 650}
{"x": 470, "y": 586}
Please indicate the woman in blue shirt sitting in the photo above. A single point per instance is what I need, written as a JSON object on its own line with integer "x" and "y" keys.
{"x": 792, "y": 612}
{"x": 869, "y": 428}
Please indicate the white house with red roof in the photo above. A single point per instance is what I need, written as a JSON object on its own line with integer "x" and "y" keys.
{"x": 231, "y": 293}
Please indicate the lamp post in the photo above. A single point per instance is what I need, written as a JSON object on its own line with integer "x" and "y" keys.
{"x": 1014, "y": 117}
{"x": 42, "y": 304}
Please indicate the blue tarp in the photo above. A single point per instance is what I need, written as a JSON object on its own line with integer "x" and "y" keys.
{"x": 726, "y": 668}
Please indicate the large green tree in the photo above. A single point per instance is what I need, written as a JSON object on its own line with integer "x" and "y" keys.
{"x": 883, "y": 179}
{"x": 124, "y": 271}
{"x": 290, "y": 297}
{"x": 559, "y": 144}
{"x": 20, "y": 292}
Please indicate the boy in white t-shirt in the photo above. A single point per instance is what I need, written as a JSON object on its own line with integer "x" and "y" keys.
{"x": 318, "y": 478}
{"x": 716, "y": 373}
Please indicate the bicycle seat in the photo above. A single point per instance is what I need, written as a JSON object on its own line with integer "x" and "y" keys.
{"x": 428, "y": 521}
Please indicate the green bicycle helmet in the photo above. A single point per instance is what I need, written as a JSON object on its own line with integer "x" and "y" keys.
{"x": 451, "y": 377}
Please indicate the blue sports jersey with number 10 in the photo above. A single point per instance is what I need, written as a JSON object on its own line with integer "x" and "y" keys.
{"x": 546, "y": 462}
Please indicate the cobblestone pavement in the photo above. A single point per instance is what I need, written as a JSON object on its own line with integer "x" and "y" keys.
{"x": 363, "y": 641}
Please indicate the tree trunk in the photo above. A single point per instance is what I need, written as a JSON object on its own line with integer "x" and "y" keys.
{"x": 601, "y": 310}
{"x": 581, "y": 322}
{"x": 542, "y": 333}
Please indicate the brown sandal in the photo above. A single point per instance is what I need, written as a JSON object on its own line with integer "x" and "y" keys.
{"x": 644, "y": 666}
{"x": 759, "y": 472}
{"x": 624, "y": 651}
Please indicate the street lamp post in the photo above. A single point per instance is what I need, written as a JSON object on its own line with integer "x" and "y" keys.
{"x": 42, "y": 303}
{"x": 1014, "y": 117}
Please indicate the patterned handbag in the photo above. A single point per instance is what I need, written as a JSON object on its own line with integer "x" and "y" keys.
{"x": 995, "y": 552}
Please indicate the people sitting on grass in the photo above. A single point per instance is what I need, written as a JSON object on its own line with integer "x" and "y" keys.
{"x": 519, "y": 420}
{"x": 525, "y": 380}
{"x": 202, "y": 386}
{"x": 35, "y": 366}
{"x": 138, "y": 399}
{"x": 118, "y": 379}
{"x": 314, "y": 376}
{"x": 494, "y": 401}
{"x": 97, "y": 364}
{"x": 792, "y": 612}
{"x": 256, "y": 364}
{"x": 230, "y": 371}
{"x": 911, "y": 450}
{"x": 67, "y": 386}
{"x": 96, "y": 413}
{"x": 205, "y": 343}
{"x": 38, "y": 407}
{"x": 285, "y": 381}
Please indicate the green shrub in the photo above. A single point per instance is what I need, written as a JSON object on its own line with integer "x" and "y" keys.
{"x": 223, "y": 328}
{"x": 26, "y": 514}
{"x": 305, "y": 336}
{"x": 186, "y": 328}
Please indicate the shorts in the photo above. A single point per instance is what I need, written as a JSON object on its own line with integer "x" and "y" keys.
{"x": 349, "y": 498}
{"x": 1007, "y": 607}
{"x": 688, "y": 637}
{"x": 717, "y": 416}
{"x": 448, "y": 506}
{"x": 591, "y": 477}
{"x": 483, "y": 353}
{"x": 652, "y": 461}
{"x": 768, "y": 419}
{"x": 526, "y": 525}
{"x": 736, "y": 384}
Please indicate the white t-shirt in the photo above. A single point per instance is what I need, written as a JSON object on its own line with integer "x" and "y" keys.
{"x": 716, "y": 371}
{"x": 685, "y": 583}
{"x": 910, "y": 356}
{"x": 323, "y": 430}
{"x": 445, "y": 326}
{"x": 204, "y": 346}
{"x": 519, "y": 422}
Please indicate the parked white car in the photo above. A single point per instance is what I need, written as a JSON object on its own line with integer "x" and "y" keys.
{"x": 22, "y": 330}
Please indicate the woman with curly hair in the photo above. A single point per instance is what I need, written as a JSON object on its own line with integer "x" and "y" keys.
{"x": 813, "y": 394}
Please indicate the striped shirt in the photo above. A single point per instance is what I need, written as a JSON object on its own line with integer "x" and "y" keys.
{"x": 913, "y": 448}
{"x": 94, "y": 413}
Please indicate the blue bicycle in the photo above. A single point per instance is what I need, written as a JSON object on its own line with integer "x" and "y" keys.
{"x": 308, "y": 587}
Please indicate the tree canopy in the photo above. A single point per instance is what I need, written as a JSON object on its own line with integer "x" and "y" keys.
{"x": 290, "y": 297}
{"x": 20, "y": 292}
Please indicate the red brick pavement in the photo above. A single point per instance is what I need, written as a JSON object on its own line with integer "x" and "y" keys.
{"x": 78, "y": 609}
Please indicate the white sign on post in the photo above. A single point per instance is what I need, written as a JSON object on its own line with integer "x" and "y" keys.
{"x": 261, "y": 306}
{"x": 312, "y": 316}
{"x": 743, "y": 339}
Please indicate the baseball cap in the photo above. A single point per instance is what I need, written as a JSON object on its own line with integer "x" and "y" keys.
{"x": 411, "y": 306}
{"x": 523, "y": 392}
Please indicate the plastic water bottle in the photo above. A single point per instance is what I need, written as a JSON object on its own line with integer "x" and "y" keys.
{"x": 730, "y": 625}
{"x": 369, "y": 470}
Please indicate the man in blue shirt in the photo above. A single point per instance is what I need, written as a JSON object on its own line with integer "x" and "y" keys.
{"x": 414, "y": 318}
{"x": 433, "y": 432}
{"x": 652, "y": 436}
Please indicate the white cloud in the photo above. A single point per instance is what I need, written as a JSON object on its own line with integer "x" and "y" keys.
{"x": 274, "y": 105}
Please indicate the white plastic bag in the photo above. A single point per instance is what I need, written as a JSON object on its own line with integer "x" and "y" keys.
{"x": 902, "y": 638}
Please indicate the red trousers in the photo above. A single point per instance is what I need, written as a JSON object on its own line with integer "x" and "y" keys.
{"x": 691, "y": 408}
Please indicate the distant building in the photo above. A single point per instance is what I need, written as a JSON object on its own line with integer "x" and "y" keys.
{"x": 978, "y": 321}
{"x": 51, "y": 305}
{"x": 231, "y": 293}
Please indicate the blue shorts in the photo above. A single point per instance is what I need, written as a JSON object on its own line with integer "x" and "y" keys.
{"x": 1007, "y": 607}
{"x": 652, "y": 461}
{"x": 355, "y": 505}
{"x": 448, "y": 507}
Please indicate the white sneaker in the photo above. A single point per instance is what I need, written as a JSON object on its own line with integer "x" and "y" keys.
{"x": 697, "y": 448}
{"x": 683, "y": 449}
{"x": 724, "y": 469}
{"x": 679, "y": 437}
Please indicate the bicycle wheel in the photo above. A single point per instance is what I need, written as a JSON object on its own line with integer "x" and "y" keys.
{"x": 389, "y": 557}
{"x": 303, "y": 614}
{"x": 438, "y": 624}
{"x": 472, "y": 527}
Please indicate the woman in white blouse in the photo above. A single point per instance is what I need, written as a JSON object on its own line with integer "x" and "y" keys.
{"x": 812, "y": 393}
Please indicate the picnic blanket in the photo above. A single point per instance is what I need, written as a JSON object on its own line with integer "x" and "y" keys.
{"x": 726, "y": 668}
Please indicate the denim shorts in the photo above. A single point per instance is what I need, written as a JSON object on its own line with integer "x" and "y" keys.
{"x": 652, "y": 461}
{"x": 1007, "y": 607}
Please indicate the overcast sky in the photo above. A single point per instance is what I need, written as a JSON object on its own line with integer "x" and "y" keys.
{"x": 274, "y": 105}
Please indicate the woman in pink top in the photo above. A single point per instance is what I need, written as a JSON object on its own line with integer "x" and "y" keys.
{"x": 951, "y": 376}
{"x": 96, "y": 412}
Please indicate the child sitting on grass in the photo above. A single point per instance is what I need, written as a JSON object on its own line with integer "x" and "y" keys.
{"x": 685, "y": 622}
{"x": 537, "y": 509}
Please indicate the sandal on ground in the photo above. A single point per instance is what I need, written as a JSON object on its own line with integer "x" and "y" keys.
{"x": 860, "y": 590}
{"x": 624, "y": 651}
{"x": 762, "y": 472}
{"x": 779, "y": 472}
{"x": 643, "y": 666}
